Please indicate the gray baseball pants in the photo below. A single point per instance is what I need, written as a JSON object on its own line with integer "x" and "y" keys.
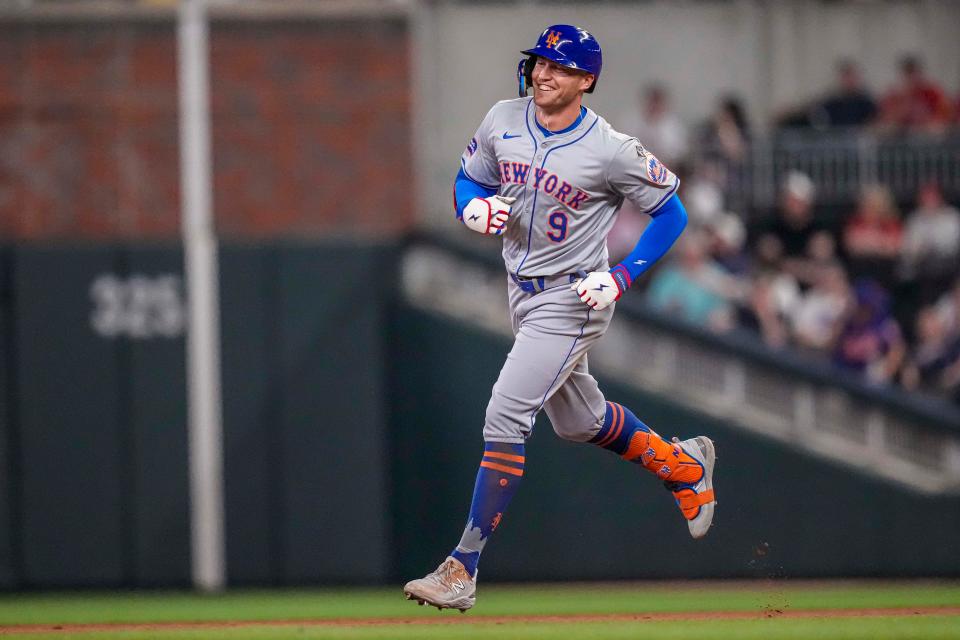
{"x": 547, "y": 368}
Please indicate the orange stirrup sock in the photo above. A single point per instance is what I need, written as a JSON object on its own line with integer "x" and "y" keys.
{"x": 623, "y": 433}
{"x": 664, "y": 459}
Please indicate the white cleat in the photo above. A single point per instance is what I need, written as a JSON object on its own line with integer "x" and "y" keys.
{"x": 697, "y": 500}
{"x": 449, "y": 587}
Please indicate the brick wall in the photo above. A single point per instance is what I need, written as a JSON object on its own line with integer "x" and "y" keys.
{"x": 310, "y": 128}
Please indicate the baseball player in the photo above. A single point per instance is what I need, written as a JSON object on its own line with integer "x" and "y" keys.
{"x": 548, "y": 175}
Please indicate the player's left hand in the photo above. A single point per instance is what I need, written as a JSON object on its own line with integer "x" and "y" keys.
{"x": 598, "y": 290}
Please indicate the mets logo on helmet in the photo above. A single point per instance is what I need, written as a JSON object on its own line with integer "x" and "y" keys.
{"x": 553, "y": 38}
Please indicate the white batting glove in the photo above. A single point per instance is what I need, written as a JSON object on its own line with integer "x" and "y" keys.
{"x": 598, "y": 290}
{"x": 488, "y": 215}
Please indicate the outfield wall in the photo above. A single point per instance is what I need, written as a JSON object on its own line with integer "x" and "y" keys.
{"x": 93, "y": 429}
{"x": 352, "y": 435}
{"x": 583, "y": 513}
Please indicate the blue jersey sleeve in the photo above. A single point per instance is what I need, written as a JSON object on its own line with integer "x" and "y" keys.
{"x": 667, "y": 225}
{"x": 465, "y": 190}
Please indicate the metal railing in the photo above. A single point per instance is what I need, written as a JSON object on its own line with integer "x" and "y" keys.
{"x": 908, "y": 439}
{"x": 839, "y": 161}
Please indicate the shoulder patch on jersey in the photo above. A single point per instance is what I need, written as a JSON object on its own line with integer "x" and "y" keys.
{"x": 472, "y": 147}
{"x": 656, "y": 172}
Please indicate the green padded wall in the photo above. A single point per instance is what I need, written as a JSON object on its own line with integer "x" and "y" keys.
{"x": 306, "y": 412}
{"x": 70, "y": 411}
{"x": 157, "y": 459}
{"x": 9, "y": 477}
{"x": 582, "y": 513}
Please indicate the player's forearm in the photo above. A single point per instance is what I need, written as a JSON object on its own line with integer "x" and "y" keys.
{"x": 465, "y": 190}
{"x": 655, "y": 241}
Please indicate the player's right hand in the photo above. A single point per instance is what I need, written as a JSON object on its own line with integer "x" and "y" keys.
{"x": 488, "y": 215}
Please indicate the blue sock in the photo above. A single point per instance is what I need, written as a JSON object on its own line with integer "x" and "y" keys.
{"x": 500, "y": 472}
{"x": 624, "y": 434}
{"x": 619, "y": 425}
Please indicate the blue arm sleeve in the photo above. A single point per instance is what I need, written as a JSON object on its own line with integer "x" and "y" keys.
{"x": 465, "y": 190}
{"x": 667, "y": 225}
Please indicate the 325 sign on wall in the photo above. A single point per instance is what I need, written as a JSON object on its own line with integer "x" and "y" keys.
{"x": 138, "y": 306}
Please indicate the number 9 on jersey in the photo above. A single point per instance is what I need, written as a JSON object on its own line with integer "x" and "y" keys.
{"x": 558, "y": 224}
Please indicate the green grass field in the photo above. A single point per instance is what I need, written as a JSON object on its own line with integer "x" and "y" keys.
{"x": 668, "y": 611}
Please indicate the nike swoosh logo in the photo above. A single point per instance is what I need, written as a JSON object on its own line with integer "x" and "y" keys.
{"x": 507, "y": 136}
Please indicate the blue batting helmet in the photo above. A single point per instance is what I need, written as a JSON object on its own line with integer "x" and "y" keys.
{"x": 566, "y": 45}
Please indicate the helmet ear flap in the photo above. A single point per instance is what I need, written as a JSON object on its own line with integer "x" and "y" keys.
{"x": 522, "y": 78}
{"x": 525, "y": 74}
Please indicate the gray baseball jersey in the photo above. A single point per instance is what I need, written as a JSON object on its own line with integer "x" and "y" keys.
{"x": 568, "y": 186}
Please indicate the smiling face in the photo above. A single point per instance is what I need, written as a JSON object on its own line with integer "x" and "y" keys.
{"x": 556, "y": 87}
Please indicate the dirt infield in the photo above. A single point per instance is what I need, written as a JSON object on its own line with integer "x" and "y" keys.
{"x": 451, "y": 618}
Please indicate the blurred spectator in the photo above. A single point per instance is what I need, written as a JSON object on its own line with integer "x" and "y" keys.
{"x": 873, "y": 236}
{"x": 820, "y": 256}
{"x": 805, "y": 243}
{"x": 817, "y": 315}
{"x": 795, "y": 223}
{"x": 870, "y": 341}
{"x": 931, "y": 244}
{"x": 916, "y": 103}
{"x": 773, "y": 295}
{"x": 771, "y": 302}
{"x": 723, "y": 149}
{"x": 658, "y": 127}
{"x": 726, "y": 134}
{"x": 948, "y": 306}
{"x": 726, "y": 235}
{"x": 703, "y": 200}
{"x": 850, "y": 105}
{"x": 934, "y": 363}
{"x": 693, "y": 287}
